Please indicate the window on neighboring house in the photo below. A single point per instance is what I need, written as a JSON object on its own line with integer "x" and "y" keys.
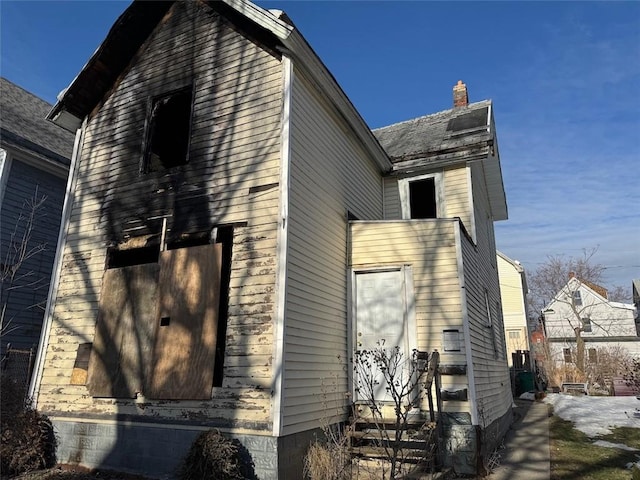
{"x": 586, "y": 325}
{"x": 421, "y": 196}
{"x": 161, "y": 322}
{"x": 567, "y": 355}
{"x": 593, "y": 355}
{"x": 577, "y": 298}
{"x": 168, "y": 130}
{"x": 490, "y": 325}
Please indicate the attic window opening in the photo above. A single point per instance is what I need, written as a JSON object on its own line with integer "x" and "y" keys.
{"x": 422, "y": 198}
{"x": 577, "y": 298}
{"x": 169, "y": 126}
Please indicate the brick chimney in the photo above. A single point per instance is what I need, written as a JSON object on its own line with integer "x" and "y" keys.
{"x": 460, "y": 95}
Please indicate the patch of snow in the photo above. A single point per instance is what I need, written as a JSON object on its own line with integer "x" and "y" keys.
{"x": 619, "y": 446}
{"x": 528, "y": 396}
{"x": 596, "y": 416}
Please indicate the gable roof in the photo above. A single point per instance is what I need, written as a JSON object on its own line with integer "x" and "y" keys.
{"x": 455, "y": 136}
{"x": 575, "y": 284}
{"x": 24, "y": 127}
{"x": 270, "y": 28}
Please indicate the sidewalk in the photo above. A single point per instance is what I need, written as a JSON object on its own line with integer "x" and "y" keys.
{"x": 526, "y": 454}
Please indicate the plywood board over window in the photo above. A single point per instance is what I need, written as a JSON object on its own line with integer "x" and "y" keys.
{"x": 123, "y": 341}
{"x": 186, "y": 323}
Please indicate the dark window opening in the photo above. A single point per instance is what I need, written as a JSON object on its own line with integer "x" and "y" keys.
{"x": 133, "y": 256}
{"x": 190, "y": 240}
{"x": 168, "y": 135}
{"x": 593, "y": 355}
{"x": 225, "y": 236}
{"x": 566, "y": 352}
{"x": 422, "y": 198}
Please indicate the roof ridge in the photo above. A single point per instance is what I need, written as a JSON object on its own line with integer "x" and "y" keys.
{"x": 480, "y": 103}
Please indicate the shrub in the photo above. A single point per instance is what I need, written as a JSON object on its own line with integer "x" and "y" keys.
{"x": 213, "y": 456}
{"x": 28, "y": 442}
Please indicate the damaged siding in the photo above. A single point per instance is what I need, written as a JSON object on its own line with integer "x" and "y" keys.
{"x": 429, "y": 247}
{"x": 330, "y": 175}
{"x": 480, "y": 272}
{"x": 231, "y": 178}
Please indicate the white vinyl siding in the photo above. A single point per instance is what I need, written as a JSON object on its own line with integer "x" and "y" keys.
{"x": 490, "y": 371}
{"x": 429, "y": 247}
{"x": 235, "y": 145}
{"x": 330, "y": 174}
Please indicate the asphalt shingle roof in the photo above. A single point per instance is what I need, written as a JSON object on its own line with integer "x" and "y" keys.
{"x": 439, "y": 132}
{"x": 22, "y": 123}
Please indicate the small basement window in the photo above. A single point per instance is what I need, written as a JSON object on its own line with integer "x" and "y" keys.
{"x": 168, "y": 130}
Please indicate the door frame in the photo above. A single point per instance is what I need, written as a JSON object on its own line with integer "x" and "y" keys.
{"x": 411, "y": 332}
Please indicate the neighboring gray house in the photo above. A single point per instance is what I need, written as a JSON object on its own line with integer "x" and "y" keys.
{"x": 34, "y": 163}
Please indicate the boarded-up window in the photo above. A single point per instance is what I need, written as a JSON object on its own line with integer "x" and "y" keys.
{"x": 185, "y": 340}
{"x": 123, "y": 341}
{"x": 156, "y": 331}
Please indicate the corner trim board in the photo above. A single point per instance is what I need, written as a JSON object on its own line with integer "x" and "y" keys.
{"x": 281, "y": 250}
{"x": 34, "y": 386}
{"x": 473, "y": 398}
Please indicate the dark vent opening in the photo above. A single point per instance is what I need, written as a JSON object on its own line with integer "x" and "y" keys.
{"x": 225, "y": 236}
{"x": 475, "y": 119}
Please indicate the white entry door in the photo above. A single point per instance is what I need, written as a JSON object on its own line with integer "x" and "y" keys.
{"x": 380, "y": 312}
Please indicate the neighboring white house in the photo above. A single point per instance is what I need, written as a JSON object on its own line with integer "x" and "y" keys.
{"x": 603, "y": 323}
{"x": 513, "y": 293}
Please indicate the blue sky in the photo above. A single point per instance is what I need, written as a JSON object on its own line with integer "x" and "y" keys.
{"x": 564, "y": 78}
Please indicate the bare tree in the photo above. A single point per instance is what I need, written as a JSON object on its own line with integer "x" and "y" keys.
{"x": 401, "y": 378}
{"x": 21, "y": 248}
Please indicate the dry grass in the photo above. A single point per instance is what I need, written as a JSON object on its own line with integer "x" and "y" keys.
{"x": 326, "y": 461}
{"x": 27, "y": 439}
